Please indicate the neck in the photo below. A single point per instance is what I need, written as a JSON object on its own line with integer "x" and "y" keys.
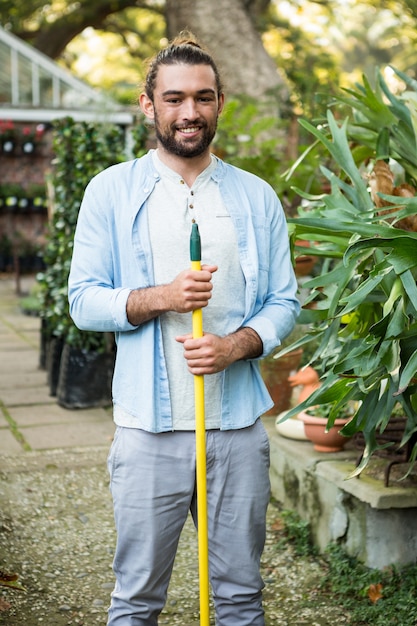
{"x": 188, "y": 169}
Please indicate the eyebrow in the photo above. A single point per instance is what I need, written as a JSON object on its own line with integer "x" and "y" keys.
{"x": 174, "y": 92}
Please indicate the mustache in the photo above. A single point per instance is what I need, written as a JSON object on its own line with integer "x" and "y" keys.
{"x": 200, "y": 123}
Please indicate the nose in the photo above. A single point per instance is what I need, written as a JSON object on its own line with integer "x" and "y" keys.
{"x": 190, "y": 109}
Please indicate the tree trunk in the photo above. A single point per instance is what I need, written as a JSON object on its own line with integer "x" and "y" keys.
{"x": 227, "y": 28}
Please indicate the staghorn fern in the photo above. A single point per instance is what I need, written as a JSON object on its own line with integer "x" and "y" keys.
{"x": 364, "y": 315}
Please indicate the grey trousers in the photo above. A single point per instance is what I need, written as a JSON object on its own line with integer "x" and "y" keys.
{"x": 153, "y": 486}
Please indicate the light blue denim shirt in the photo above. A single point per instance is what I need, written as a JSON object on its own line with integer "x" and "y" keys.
{"x": 112, "y": 256}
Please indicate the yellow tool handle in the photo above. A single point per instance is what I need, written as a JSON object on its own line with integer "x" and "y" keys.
{"x": 201, "y": 468}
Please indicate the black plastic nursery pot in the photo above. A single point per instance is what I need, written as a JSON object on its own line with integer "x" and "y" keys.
{"x": 85, "y": 378}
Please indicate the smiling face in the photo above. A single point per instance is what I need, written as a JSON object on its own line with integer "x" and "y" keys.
{"x": 185, "y": 109}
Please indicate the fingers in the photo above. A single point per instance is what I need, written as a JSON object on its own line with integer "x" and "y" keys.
{"x": 203, "y": 276}
{"x": 209, "y": 268}
{"x": 183, "y": 338}
{"x": 204, "y": 355}
{"x": 191, "y": 289}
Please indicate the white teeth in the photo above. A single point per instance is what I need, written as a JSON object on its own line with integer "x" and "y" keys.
{"x": 189, "y": 130}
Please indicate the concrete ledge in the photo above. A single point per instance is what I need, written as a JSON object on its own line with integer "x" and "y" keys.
{"x": 365, "y": 488}
{"x": 374, "y": 523}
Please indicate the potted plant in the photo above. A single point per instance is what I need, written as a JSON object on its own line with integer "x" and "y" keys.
{"x": 30, "y": 138}
{"x": 304, "y": 262}
{"x": 7, "y": 137}
{"x": 275, "y": 375}
{"x": 11, "y": 193}
{"x": 6, "y": 253}
{"x": 79, "y": 364}
{"x": 37, "y": 198}
{"x": 278, "y": 367}
{"x": 363, "y": 301}
{"x": 324, "y": 438}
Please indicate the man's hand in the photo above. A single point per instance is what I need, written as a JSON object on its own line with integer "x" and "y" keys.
{"x": 190, "y": 290}
{"x": 211, "y": 354}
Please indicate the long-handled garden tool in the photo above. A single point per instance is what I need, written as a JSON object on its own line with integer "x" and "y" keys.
{"x": 200, "y": 435}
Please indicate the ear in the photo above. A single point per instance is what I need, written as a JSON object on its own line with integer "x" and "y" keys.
{"x": 146, "y": 106}
{"x": 221, "y": 103}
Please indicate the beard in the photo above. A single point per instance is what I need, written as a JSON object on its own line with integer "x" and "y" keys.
{"x": 186, "y": 148}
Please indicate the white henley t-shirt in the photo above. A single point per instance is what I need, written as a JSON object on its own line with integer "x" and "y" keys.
{"x": 171, "y": 208}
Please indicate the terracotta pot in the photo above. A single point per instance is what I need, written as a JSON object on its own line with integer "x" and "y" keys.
{"x": 275, "y": 373}
{"x": 304, "y": 263}
{"x": 315, "y": 430}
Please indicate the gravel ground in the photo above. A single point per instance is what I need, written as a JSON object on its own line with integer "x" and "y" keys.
{"x": 56, "y": 532}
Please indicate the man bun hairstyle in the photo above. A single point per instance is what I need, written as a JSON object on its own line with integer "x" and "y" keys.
{"x": 184, "y": 49}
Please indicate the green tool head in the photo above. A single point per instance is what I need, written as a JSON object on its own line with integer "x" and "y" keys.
{"x": 195, "y": 243}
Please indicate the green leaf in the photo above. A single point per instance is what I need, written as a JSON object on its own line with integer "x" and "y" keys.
{"x": 408, "y": 372}
{"x": 371, "y": 107}
{"x": 401, "y": 249}
{"x": 359, "y": 296}
{"x": 398, "y": 108}
{"x": 409, "y": 283}
{"x": 382, "y": 144}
